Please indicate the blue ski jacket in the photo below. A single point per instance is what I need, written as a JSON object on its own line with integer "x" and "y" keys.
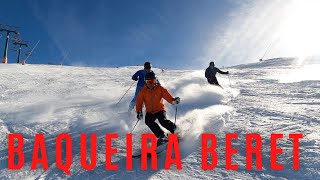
{"x": 139, "y": 75}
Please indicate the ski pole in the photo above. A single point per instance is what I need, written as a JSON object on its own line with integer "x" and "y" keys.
{"x": 230, "y": 85}
{"x": 175, "y": 116}
{"x": 125, "y": 93}
{"x": 135, "y": 126}
{"x": 229, "y": 81}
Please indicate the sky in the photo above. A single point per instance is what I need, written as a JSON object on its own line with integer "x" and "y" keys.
{"x": 180, "y": 34}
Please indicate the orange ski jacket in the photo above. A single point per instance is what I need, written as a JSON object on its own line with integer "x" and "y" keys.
{"x": 152, "y": 98}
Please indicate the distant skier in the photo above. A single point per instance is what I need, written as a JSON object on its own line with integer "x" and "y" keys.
{"x": 211, "y": 72}
{"x": 151, "y": 95}
{"x": 139, "y": 76}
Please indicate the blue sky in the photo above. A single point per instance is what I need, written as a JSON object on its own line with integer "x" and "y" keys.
{"x": 179, "y": 34}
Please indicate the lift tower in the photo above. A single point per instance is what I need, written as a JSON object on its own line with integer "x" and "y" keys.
{"x": 5, "y": 53}
{"x": 20, "y": 43}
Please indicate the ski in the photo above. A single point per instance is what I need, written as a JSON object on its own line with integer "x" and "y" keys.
{"x": 161, "y": 148}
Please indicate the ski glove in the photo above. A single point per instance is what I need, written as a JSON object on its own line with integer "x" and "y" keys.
{"x": 135, "y": 79}
{"x": 139, "y": 115}
{"x": 176, "y": 100}
{"x": 227, "y": 72}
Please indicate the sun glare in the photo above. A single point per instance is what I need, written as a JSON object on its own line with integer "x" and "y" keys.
{"x": 304, "y": 73}
{"x": 300, "y": 34}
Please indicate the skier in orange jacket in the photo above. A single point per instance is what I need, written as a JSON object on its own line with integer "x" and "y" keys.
{"x": 151, "y": 95}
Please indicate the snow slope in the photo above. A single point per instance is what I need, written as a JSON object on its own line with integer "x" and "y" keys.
{"x": 273, "y": 96}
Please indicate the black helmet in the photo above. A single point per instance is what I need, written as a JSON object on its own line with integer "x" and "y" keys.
{"x": 150, "y": 76}
{"x": 211, "y": 63}
{"x": 147, "y": 65}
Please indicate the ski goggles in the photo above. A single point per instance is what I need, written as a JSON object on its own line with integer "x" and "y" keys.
{"x": 150, "y": 81}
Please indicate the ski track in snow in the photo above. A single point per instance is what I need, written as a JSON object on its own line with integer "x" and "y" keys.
{"x": 60, "y": 99}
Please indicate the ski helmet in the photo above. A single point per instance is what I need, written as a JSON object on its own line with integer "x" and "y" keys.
{"x": 211, "y": 63}
{"x": 150, "y": 76}
{"x": 147, "y": 65}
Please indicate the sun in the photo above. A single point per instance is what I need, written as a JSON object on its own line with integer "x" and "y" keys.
{"x": 300, "y": 30}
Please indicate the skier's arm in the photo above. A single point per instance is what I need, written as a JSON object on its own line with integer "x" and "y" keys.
{"x": 222, "y": 72}
{"x": 166, "y": 95}
{"x": 136, "y": 75}
{"x": 139, "y": 101}
{"x": 207, "y": 74}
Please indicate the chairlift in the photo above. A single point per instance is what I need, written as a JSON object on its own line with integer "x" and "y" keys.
{"x": 28, "y": 53}
{"x": 4, "y": 25}
{"x": 15, "y": 39}
{"x": 13, "y": 49}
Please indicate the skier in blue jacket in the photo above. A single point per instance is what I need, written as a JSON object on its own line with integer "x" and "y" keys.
{"x": 139, "y": 76}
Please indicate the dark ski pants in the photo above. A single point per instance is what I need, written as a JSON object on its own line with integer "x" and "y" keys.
{"x": 213, "y": 81}
{"x": 161, "y": 116}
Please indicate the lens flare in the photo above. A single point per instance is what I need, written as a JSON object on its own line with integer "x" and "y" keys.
{"x": 300, "y": 29}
